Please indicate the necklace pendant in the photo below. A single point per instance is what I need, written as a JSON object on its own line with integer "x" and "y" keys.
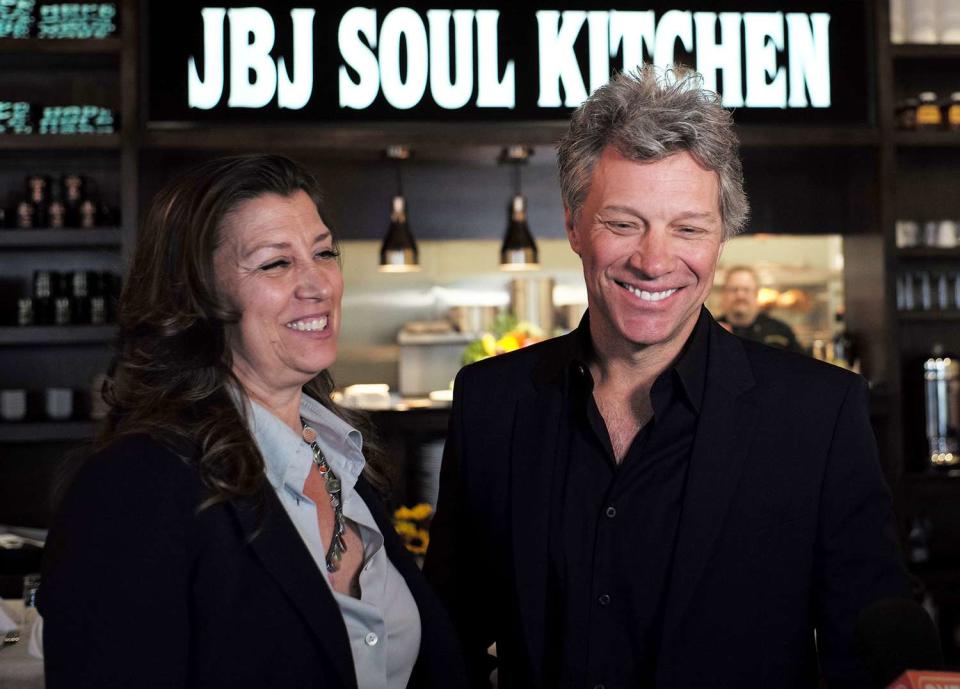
{"x": 332, "y": 485}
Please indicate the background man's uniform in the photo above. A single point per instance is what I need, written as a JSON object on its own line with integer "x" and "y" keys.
{"x": 768, "y": 330}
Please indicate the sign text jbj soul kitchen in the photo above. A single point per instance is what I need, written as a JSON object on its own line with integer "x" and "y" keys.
{"x": 451, "y": 59}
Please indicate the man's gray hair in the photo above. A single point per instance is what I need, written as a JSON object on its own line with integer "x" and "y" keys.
{"x": 647, "y": 115}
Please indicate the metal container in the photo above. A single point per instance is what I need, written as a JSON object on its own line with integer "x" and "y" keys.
{"x": 942, "y": 395}
{"x": 531, "y": 300}
{"x": 430, "y": 361}
{"x": 473, "y": 319}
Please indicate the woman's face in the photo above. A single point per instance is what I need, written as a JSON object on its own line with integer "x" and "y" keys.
{"x": 277, "y": 266}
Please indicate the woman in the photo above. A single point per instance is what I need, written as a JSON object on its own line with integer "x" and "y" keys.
{"x": 225, "y": 533}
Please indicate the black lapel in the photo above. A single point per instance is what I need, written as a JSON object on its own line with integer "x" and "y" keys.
{"x": 728, "y": 418}
{"x": 537, "y": 424}
{"x": 279, "y": 548}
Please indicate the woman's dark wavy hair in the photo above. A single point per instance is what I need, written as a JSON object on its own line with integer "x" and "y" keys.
{"x": 173, "y": 374}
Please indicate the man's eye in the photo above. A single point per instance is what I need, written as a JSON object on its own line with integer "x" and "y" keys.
{"x": 274, "y": 265}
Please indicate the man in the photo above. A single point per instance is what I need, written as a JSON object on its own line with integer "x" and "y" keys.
{"x": 650, "y": 501}
{"x": 742, "y": 316}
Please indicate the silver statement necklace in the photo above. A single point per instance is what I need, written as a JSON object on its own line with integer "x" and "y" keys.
{"x": 330, "y": 481}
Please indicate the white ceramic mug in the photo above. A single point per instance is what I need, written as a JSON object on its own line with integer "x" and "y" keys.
{"x": 59, "y": 403}
{"x": 13, "y": 405}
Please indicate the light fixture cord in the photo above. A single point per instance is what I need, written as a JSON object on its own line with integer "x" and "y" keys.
{"x": 516, "y": 179}
{"x": 399, "y": 177}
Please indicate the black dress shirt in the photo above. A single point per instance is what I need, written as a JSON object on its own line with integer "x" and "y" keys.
{"x": 616, "y": 524}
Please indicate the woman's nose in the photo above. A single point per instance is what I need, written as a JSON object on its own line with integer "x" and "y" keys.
{"x": 314, "y": 283}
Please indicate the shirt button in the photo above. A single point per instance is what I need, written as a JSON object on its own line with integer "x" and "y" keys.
{"x": 603, "y": 599}
{"x": 371, "y": 639}
{"x": 611, "y": 511}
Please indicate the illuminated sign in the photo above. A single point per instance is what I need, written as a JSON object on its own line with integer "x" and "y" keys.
{"x": 353, "y": 63}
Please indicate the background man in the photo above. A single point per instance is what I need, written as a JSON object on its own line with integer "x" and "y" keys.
{"x": 741, "y": 312}
{"x": 649, "y": 500}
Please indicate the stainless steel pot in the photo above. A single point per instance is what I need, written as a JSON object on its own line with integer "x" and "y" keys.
{"x": 473, "y": 319}
{"x": 531, "y": 300}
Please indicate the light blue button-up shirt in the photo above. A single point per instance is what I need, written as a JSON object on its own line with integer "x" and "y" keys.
{"x": 384, "y": 624}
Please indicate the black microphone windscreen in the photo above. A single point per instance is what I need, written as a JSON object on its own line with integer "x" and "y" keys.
{"x": 894, "y": 635}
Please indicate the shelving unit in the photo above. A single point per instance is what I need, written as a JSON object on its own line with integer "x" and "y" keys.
{"x": 919, "y": 174}
{"x": 66, "y": 46}
{"x": 46, "y": 431}
{"x": 927, "y": 139}
{"x": 57, "y": 335}
{"x": 929, "y": 316}
{"x": 924, "y": 253}
{"x": 62, "y": 72}
{"x": 106, "y": 237}
{"x": 59, "y": 142}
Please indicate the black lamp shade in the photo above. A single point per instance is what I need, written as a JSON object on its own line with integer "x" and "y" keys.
{"x": 398, "y": 253}
{"x": 519, "y": 250}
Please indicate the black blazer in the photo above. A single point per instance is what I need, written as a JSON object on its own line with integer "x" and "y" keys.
{"x": 141, "y": 590}
{"x": 786, "y": 524}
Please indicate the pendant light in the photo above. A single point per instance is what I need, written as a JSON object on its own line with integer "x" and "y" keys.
{"x": 398, "y": 253}
{"x": 519, "y": 250}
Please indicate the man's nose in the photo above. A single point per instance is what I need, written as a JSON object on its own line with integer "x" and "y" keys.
{"x": 652, "y": 256}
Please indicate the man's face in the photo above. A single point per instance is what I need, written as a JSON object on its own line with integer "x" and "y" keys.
{"x": 649, "y": 236}
{"x": 740, "y": 304}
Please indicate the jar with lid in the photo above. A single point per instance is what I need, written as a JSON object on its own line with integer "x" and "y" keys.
{"x": 929, "y": 115}
{"x": 952, "y": 115}
{"x": 906, "y": 113}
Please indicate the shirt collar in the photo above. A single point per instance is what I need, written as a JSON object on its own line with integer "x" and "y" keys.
{"x": 287, "y": 459}
{"x": 690, "y": 367}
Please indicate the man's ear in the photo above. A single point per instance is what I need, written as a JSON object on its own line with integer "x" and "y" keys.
{"x": 572, "y": 235}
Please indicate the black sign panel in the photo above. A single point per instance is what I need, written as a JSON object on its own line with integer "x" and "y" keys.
{"x": 284, "y": 61}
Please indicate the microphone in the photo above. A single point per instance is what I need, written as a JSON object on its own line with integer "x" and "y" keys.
{"x": 894, "y": 635}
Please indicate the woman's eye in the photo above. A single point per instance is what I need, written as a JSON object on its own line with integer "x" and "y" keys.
{"x": 274, "y": 265}
{"x": 328, "y": 253}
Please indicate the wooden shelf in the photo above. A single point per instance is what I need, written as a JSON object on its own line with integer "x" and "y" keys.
{"x": 109, "y": 237}
{"x": 57, "y": 335}
{"x": 46, "y": 431}
{"x": 754, "y": 136}
{"x": 929, "y": 316}
{"x": 362, "y": 140}
{"x": 47, "y": 142}
{"x": 65, "y": 46}
{"x": 927, "y": 139}
{"x": 923, "y": 51}
{"x": 932, "y": 479}
{"x": 925, "y": 252}
{"x": 367, "y": 140}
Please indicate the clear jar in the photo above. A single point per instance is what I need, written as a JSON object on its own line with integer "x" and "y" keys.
{"x": 907, "y": 114}
{"x": 929, "y": 115}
